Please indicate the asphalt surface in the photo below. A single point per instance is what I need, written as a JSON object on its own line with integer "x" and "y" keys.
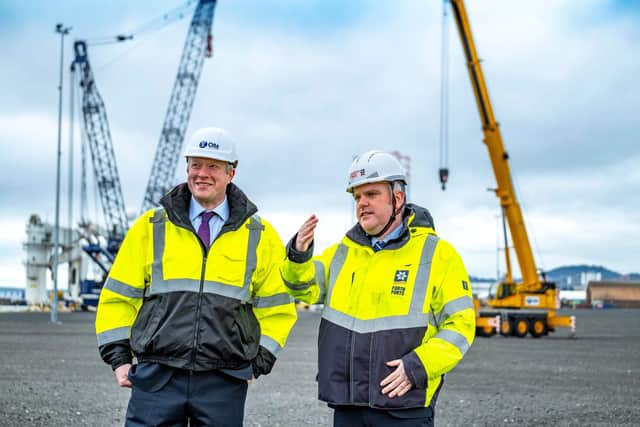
{"x": 51, "y": 375}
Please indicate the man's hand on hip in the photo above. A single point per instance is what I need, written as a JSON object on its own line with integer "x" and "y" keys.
{"x": 397, "y": 383}
{"x": 122, "y": 375}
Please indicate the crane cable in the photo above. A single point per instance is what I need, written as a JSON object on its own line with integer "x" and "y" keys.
{"x": 532, "y": 232}
{"x": 444, "y": 98}
{"x": 156, "y": 24}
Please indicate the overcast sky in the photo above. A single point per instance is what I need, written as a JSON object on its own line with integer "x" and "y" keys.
{"x": 305, "y": 85}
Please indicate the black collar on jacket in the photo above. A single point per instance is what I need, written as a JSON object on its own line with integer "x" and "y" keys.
{"x": 422, "y": 219}
{"x": 176, "y": 203}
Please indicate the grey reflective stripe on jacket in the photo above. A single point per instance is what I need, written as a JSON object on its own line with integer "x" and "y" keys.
{"x": 123, "y": 289}
{"x": 113, "y": 335}
{"x": 272, "y": 300}
{"x": 123, "y": 333}
{"x": 451, "y": 308}
{"x": 319, "y": 277}
{"x": 455, "y": 338}
{"x": 161, "y": 285}
{"x": 415, "y": 317}
{"x": 270, "y": 344}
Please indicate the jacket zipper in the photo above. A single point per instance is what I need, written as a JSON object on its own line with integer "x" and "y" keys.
{"x": 351, "y": 380}
{"x": 353, "y": 339}
{"x": 196, "y": 335}
{"x": 373, "y": 387}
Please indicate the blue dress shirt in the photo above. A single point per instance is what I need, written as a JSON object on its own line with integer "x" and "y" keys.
{"x": 394, "y": 234}
{"x": 215, "y": 223}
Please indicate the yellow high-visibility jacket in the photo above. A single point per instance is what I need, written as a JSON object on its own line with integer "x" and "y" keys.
{"x": 170, "y": 300}
{"x": 411, "y": 300}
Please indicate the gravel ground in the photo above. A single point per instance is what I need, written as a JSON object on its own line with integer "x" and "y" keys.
{"x": 51, "y": 375}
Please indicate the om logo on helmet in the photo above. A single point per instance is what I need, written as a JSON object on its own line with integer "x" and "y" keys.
{"x": 210, "y": 144}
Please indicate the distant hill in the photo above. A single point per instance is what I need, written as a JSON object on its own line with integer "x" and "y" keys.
{"x": 572, "y": 270}
{"x": 475, "y": 279}
{"x": 579, "y": 276}
{"x": 570, "y": 277}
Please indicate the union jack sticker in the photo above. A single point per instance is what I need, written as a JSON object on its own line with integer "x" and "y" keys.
{"x": 356, "y": 173}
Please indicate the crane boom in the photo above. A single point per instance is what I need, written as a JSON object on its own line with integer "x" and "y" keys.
{"x": 103, "y": 156}
{"x": 497, "y": 153}
{"x": 538, "y": 296}
{"x": 196, "y": 46}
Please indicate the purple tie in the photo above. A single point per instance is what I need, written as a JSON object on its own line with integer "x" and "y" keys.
{"x": 203, "y": 231}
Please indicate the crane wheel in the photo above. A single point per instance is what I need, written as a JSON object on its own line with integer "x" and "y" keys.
{"x": 537, "y": 328}
{"x": 485, "y": 331}
{"x": 506, "y": 327}
{"x": 521, "y": 328}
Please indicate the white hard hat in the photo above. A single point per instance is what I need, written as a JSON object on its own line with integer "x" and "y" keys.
{"x": 212, "y": 143}
{"x": 375, "y": 166}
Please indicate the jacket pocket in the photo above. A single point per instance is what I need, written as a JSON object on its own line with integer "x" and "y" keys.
{"x": 387, "y": 346}
{"x": 145, "y": 324}
{"x": 248, "y": 331}
{"x": 333, "y": 363}
{"x": 229, "y": 332}
{"x": 227, "y": 268}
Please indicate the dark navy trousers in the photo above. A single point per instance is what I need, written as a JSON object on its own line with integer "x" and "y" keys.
{"x": 165, "y": 396}
{"x": 363, "y": 416}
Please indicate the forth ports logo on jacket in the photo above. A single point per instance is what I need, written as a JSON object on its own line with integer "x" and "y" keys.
{"x": 399, "y": 282}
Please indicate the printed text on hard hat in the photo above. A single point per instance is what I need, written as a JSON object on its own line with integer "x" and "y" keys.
{"x": 209, "y": 144}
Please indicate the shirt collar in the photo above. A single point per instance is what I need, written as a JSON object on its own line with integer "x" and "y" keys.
{"x": 222, "y": 210}
{"x": 393, "y": 235}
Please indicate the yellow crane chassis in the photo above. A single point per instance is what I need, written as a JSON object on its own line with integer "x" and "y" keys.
{"x": 520, "y": 323}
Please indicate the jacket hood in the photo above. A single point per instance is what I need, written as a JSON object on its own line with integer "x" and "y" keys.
{"x": 176, "y": 203}
{"x": 422, "y": 217}
{"x": 412, "y": 216}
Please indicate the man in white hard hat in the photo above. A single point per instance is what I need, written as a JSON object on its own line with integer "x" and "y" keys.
{"x": 196, "y": 296}
{"x": 398, "y": 311}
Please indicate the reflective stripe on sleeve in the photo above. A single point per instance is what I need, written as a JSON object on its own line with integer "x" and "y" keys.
{"x": 272, "y": 301}
{"x": 298, "y": 286}
{"x": 270, "y": 344}
{"x": 113, "y": 335}
{"x": 454, "y": 338}
{"x": 123, "y": 289}
{"x": 453, "y": 307}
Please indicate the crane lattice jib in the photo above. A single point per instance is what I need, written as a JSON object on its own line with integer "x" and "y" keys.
{"x": 180, "y": 103}
{"x": 103, "y": 156}
{"x": 497, "y": 153}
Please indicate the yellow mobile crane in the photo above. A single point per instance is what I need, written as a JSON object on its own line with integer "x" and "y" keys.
{"x": 518, "y": 308}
